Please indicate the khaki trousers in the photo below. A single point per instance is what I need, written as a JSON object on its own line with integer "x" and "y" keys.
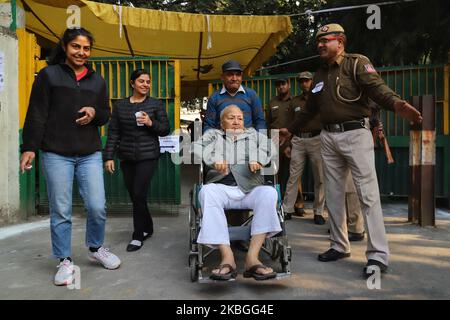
{"x": 353, "y": 150}
{"x": 302, "y": 147}
{"x": 355, "y": 220}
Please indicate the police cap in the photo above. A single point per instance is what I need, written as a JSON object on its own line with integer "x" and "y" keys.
{"x": 331, "y": 28}
{"x": 305, "y": 75}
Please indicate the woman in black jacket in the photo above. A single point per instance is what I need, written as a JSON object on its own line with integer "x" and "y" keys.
{"x": 133, "y": 132}
{"x": 68, "y": 103}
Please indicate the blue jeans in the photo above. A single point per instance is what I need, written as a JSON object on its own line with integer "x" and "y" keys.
{"x": 59, "y": 172}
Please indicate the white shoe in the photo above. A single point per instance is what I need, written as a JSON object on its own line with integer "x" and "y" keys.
{"x": 64, "y": 276}
{"x": 107, "y": 259}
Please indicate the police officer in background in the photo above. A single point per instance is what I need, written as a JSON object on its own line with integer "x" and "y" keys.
{"x": 279, "y": 115}
{"x": 340, "y": 91}
{"x": 306, "y": 142}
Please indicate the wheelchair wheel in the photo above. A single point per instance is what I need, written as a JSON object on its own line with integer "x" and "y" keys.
{"x": 192, "y": 230}
{"x": 285, "y": 257}
{"x": 193, "y": 267}
{"x": 276, "y": 249}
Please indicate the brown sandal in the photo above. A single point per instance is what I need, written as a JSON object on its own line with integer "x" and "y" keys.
{"x": 251, "y": 273}
{"x": 225, "y": 276}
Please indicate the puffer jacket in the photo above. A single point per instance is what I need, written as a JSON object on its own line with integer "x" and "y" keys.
{"x": 129, "y": 141}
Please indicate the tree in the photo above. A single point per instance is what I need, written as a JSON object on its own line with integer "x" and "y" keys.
{"x": 411, "y": 32}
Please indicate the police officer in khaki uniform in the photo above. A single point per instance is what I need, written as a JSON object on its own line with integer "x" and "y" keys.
{"x": 279, "y": 115}
{"x": 340, "y": 92}
{"x": 305, "y": 143}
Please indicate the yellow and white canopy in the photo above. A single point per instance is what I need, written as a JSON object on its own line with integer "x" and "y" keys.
{"x": 202, "y": 42}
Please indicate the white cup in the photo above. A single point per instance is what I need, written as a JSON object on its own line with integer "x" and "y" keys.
{"x": 139, "y": 114}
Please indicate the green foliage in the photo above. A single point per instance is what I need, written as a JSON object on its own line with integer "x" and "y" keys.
{"x": 411, "y": 33}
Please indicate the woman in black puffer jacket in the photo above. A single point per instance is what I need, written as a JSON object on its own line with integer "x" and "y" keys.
{"x": 133, "y": 132}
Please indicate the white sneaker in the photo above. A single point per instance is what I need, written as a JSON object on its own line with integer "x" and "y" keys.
{"x": 107, "y": 259}
{"x": 64, "y": 276}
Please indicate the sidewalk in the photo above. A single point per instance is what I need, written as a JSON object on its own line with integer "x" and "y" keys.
{"x": 419, "y": 269}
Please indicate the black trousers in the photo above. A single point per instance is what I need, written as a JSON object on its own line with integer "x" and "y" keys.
{"x": 138, "y": 176}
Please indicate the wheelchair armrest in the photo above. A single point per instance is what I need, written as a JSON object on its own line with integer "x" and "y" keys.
{"x": 201, "y": 174}
{"x": 271, "y": 179}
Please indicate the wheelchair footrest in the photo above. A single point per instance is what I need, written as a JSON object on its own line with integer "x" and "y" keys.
{"x": 281, "y": 276}
{"x": 208, "y": 280}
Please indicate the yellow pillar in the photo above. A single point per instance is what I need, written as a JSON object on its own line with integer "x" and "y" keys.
{"x": 177, "y": 94}
{"x": 29, "y": 52}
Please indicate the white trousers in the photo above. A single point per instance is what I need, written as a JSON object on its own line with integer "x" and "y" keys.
{"x": 215, "y": 198}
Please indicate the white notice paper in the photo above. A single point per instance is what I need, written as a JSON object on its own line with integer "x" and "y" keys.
{"x": 169, "y": 144}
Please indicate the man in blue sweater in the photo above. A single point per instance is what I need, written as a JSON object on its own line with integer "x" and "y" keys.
{"x": 233, "y": 93}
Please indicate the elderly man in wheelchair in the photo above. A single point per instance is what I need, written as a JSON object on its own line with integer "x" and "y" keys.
{"x": 235, "y": 156}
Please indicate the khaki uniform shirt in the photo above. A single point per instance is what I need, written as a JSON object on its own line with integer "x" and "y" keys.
{"x": 340, "y": 92}
{"x": 298, "y": 103}
{"x": 279, "y": 114}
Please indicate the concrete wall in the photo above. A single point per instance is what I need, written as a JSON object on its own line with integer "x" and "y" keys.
{"x": 9, "y": 129}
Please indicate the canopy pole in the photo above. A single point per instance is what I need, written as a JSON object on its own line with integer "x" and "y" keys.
{"x": 127, "y": 38}
{"x": 199, "y": 60}
{"x": 200, "y": 47}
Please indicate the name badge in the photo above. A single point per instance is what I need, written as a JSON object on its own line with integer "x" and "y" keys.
{"x": 275, "y": 107}
{"x": 318, "y": 87}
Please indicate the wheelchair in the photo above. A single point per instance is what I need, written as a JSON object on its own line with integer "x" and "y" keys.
{"x": 276, "y": 247}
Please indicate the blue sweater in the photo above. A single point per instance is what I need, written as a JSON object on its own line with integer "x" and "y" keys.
{"x": 247, "y": 101}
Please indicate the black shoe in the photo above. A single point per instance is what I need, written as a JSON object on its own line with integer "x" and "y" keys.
{"x": 376, "y": 263}
{"x": 147, "y": 235}
{"x": 332, "y": 255}
{"x": 299, "y": 212}
{"x": 353, "y": 236}
{"x": 287, "y": 215}
{"x": 134, "y": 245}
{"x": 319, "y": 219}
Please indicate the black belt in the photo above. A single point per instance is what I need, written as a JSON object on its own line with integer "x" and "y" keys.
{"x": 345, "y": 126}
{"x": 308, "y": 134}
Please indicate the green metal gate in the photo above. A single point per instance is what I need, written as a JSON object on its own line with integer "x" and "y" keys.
{"x": 164, "y": 191}
{"x": 407, "y": 81}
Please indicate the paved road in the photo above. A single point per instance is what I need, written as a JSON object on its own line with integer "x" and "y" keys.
{"x": 420, "y": 264}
